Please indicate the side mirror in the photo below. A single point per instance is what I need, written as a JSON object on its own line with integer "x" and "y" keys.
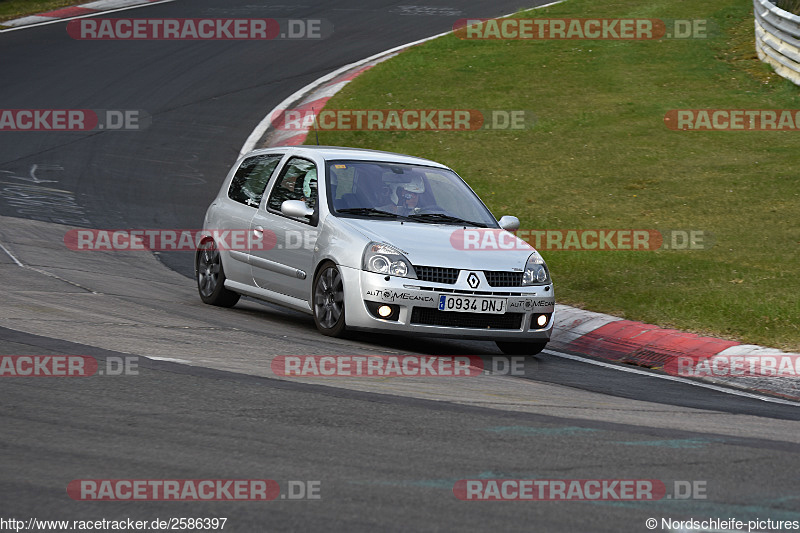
{"x": 509, "y": 223}
{"x": 296, "y": 209}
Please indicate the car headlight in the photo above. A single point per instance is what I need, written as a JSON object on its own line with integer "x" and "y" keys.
{"x": 384, "y": 259}
{"x": 536, "y": 272}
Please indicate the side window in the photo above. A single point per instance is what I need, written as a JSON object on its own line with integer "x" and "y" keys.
{"x": 298, "y": 181}
{"x": 248, "y": 184}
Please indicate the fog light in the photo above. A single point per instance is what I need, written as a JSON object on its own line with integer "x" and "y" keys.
{"x": 541, "y": 320}
{"x": 383, "y": 311}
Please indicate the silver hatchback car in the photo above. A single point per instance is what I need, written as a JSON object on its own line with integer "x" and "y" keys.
{"x": 368, "y": 240}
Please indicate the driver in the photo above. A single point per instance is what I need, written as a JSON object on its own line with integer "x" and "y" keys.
{"x": 408, "y": 196}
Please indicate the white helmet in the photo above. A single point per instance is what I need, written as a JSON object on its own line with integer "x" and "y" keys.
{"x": 415, "y": 185}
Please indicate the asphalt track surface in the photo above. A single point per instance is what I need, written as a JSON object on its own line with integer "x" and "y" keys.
{"x": 386, "y": 453}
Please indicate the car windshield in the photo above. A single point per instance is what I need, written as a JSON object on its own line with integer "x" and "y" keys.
{"x": 416, "y": 193}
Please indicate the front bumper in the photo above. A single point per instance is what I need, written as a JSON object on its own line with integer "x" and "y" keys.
{"x": 417, "y": 307}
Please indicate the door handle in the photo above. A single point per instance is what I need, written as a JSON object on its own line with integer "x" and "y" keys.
{"x": 258, "y": 231}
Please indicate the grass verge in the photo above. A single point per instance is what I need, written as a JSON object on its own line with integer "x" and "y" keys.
{"x": 600, "y": 156}
{"x": 12, "y": 9}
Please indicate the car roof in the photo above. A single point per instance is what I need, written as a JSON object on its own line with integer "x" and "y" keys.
{"x": 330, "y": 153}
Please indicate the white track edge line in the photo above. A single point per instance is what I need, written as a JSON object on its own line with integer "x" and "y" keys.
{"x": 27, "y": 26}
{"x": 169, "y": 360}
{"x": 262, "y": 126}
{"x": 671, "y": 378}
{"x": 44, "y": 272}
{"x": 9, "y": 254}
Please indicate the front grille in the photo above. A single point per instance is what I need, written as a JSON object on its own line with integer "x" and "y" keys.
{"x": 503, "y": 279}
{"x": 463, "y": 291}
{"x": 451, "y": 319}
{"x": 437, "y": 274}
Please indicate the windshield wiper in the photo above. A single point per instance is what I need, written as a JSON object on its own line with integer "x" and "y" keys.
{"x": 368, "y": 211}
{"x": 441, "y": 217}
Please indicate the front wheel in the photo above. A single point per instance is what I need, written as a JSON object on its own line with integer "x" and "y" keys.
{"x": 521, "y": 348}
{"x": 210, "y": 276}
{"x": 328, "y": 301}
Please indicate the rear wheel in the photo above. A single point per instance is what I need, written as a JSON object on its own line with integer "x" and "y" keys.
{"x": 328, "y": 301}
{"x": 521, "y": 348}
{"x": 210, "y": 276}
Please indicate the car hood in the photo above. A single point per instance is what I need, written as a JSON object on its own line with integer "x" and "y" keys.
{"x": 443, "y": 245}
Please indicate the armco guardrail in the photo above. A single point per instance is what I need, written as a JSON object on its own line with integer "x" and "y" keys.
{"x": 778, "y": 39}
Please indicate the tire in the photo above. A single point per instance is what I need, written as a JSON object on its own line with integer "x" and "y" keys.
{"x": 327, "y": 301}
{"x": 210, "y": 276}
{"x": 521, "y": 348}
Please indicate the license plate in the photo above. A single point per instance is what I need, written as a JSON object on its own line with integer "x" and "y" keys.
{"x": 472, "y": 304}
